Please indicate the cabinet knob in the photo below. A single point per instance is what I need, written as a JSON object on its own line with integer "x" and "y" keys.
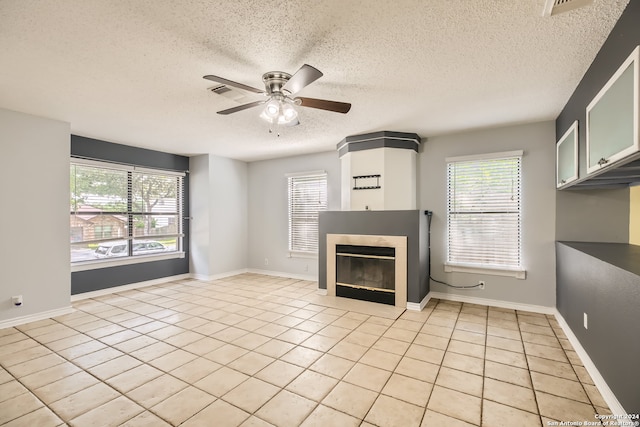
{"x": 603, "y": 161}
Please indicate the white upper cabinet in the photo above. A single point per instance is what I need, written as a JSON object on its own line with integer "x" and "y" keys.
{"x": 612, "y": 118}
{"x": 567, "y": 157}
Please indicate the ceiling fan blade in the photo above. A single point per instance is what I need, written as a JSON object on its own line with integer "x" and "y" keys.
{"x": 303, "y": 77}
{"x": 323, "y": 104}
{"x": 241, "y": 107}
{"x": 234, "y": 84}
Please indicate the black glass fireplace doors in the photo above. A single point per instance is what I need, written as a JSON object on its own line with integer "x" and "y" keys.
{"x": 366, "y": 273}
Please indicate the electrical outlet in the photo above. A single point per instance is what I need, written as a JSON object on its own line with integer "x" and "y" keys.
{"x": 481, "y": 284}
{"x": 586, "y": 325}
{"x": 266, "y": 261}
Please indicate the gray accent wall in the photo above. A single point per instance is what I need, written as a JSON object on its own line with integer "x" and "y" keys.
{"x": 538, "y": 208}
{"x": 610, "y": 296}
{"x": 593, "y": 215}
{"x": 586, "y": 215}
{"x": 34, "y": 219}
{"x": 608, "y": 293}
{"x": 268, "y": 214}
{"x": 108, "y": 277}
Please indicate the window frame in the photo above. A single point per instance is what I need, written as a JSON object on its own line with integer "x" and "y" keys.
{"x": 517, "y": 271}
{"x": 292, "y": 251}
{"x": 83, "y": 265}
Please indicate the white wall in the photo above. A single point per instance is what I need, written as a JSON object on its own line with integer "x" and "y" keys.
{"x": 538, "y": 209}
{"x": 199, "y": 202}
{"x": 268, "y": 216}
{"x": 34, "y": 218}
{"x": 229, "y": 208}
{"x": 218, "y": 207}
{"x": 397, "y": 170}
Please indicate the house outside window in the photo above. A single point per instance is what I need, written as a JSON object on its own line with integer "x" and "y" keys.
{"x": 484, "y": 225}
{"x": 307, "y": 195}
{"x": 120, "y": 212}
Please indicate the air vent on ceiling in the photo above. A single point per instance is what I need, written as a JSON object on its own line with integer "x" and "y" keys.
{"x": 220, "y": 89}
{"x": 230, "y": 93}
{"x": 554, "y": 7}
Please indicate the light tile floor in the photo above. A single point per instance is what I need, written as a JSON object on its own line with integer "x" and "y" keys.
{"x": 255, "y": 350}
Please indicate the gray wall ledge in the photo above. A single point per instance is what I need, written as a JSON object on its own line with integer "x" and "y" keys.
{"x": 610, "y": 296}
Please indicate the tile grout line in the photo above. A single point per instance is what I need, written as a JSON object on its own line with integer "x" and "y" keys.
{"x": 484, "y": 364}
{"x": 526, "y": 361}
{"x": 453, "y": 328}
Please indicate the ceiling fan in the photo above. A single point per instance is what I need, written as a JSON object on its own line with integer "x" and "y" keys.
{"x": 280, "y": 90}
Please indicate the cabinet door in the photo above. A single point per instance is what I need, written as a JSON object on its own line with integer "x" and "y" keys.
{"x": 612, "y": 118}
{"x": 567, "y": 157}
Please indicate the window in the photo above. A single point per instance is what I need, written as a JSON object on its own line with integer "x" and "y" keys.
{"x": 483, "y": 214}
{"x": 102, "y": 231}
{"x": 307, "y": 197}
{"x": 122, "y": 212}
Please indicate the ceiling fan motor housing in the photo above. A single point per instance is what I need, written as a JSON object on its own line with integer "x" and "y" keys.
{"x": 274, "y": 81}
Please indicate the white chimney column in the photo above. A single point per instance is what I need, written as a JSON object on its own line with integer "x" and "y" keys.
{"x": 379, "y": 171}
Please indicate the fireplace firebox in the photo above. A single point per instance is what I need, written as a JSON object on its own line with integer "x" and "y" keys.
{"x": 366, "y": 273}
{"x": 367, "y": 267}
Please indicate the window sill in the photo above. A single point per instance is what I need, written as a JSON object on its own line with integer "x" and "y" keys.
{"x": 494, "y": 271}
{"x": 308, "y": 255}
{"x": 102, "y": 263}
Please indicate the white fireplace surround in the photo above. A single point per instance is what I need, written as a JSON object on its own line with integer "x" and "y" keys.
{"x": 399, "y": 243}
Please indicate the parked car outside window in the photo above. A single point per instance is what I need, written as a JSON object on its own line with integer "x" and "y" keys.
{"x": 119, "y": 248}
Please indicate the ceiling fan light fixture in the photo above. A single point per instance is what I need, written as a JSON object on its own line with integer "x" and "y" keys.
{"x": 279, "y": 112}
{"x": 272, "y": 109}
{"x": 288, "y": 112}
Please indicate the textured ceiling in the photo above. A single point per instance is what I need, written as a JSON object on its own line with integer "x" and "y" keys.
{"x": 131, "y": 71}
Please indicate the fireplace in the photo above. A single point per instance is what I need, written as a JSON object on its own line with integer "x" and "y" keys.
{"x": 376, "y": 248}
{"x": 368, "y": 267}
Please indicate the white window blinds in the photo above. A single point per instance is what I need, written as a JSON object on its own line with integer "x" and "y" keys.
{"x": 124, "y": 211}
{"x": 307, "y": 197}
{"x": 483, "y": 211}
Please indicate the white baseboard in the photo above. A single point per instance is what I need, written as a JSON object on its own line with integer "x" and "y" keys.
{"x": 218, "y": 276}
{"x": 35, "y": 317}
{"x": 321, "y": 291}
{"x": 309, "y": 278}
{"x": 415, "y": 306}
{"x": 493, "y": 303}
{"x": 113, "y": 290}
{"x": 608, "y": 396}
